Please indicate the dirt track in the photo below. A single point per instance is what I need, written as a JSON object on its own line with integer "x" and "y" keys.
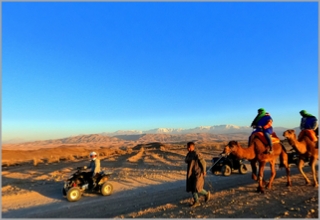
{"x": 152, "y": 185}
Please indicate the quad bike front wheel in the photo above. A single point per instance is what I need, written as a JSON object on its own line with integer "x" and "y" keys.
{"x": 214, "y": 171}
{"x": 226, "y": 170}
{"x": 243, "y": 169}
{"x": 106, "y": 189}
{"x": 73, "y": 194}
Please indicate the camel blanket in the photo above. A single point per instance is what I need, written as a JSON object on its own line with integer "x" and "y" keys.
{"x": 308, "y": 132}
{"x": 260, "y": 135}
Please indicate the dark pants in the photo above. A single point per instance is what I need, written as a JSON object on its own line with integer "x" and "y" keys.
{"x": 268, "y": 138}
{"x": 90, "y": 179}
{"x": 266, "y": 135}
{"x": 231, "y": 162}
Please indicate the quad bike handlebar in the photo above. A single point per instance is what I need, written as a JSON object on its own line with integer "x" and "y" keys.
{"x": 221, "y": 155}
{"x": 81, "y": 168}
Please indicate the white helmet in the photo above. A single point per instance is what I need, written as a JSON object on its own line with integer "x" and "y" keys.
{"x": 93, "y": 154}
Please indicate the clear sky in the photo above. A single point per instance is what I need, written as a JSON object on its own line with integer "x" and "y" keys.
{"x": 83, "y": 68}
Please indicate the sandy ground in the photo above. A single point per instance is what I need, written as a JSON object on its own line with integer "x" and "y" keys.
{"x": 150, "y": 183}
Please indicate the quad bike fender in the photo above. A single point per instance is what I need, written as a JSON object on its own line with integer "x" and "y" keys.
{"x": 103, "y": 180}
{"x": 227, "y": 162}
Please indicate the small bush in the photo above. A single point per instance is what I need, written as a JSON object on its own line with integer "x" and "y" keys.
{"x": 5, "y": 164}
{"x": 35, "y": 161}
{"x": 70, "y": 157}
{"x": 78, "y": 156}
{"x": 53, "y": 159}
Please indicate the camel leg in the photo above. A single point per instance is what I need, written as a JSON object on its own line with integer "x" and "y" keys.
{"x": 285, "y": 163}
{"x": 254, "y": 169}
{"x": 289, "y": 182}
{"x": 273, "y": 174}
{"x": 301, "y": 164}
{"x": 260, "y": 180}
{"x": 314, "y": 173}
{"x": 254, "y": 172}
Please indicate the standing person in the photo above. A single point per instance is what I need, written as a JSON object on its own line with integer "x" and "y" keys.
{"x": 94, "y": 167}
{"x": 196, "y": 171}
{"x": 263, "y": 123}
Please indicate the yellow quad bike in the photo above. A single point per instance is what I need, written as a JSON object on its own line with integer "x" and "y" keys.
{"x": 78, "y": 183}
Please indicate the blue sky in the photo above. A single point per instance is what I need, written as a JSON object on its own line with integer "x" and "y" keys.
{"x": 82, "y": 68}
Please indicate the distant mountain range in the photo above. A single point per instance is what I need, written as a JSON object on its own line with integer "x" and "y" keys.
{"x": 209, "y": 133}
{"x": 215, "y": 129}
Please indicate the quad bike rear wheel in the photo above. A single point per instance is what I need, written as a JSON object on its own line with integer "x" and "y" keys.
{"x": 73, "y": 194}
{"x": 226, "y": 170}
{"x": 106, "y": 189}
{"x": 243, "y": 169}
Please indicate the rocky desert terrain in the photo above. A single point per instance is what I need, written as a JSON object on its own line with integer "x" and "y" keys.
{"x": 148, "y": 181}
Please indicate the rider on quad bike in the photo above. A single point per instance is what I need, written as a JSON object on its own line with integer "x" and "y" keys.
{"x": 87, "y": 179}
{"x": 93, "y": 169}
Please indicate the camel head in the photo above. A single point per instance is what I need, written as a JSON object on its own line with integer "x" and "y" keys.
{"x": 230, "y": 147}
{"x": 289, "y": 134}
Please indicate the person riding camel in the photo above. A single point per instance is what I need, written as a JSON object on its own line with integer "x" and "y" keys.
{"x": 309, "y": 121}
{"x": 263, "y": 123}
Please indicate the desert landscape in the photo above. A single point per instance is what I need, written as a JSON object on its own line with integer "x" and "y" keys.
{"x": 148, "y": 178}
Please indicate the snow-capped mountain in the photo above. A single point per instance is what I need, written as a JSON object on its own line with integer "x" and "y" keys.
{"x": 216, "y": 129}
{"x": 123, "y": 132}
{"x": 216, "y": 132}
{"x": 219, "y": 129}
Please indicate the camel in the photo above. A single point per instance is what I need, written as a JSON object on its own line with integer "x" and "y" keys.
{"x": 306, "y": 149}
{"x": 256, "y": 153}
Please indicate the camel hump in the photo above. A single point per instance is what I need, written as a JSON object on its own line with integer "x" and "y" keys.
{"x": 275, "y": 138}
{"x": 274, "y": 135}
{"x": 260, "y": 135}
{"x": 309, "y": 133}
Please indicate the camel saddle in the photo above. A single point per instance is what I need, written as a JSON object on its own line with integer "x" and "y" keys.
{"x": 260, "y": 135}
{"x": 309, "y": 133}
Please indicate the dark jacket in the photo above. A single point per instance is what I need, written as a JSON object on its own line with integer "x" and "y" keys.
{"x": 195, "y": 170}
{"x": 309, "y": 122}
{"x": 266, "y": 123}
